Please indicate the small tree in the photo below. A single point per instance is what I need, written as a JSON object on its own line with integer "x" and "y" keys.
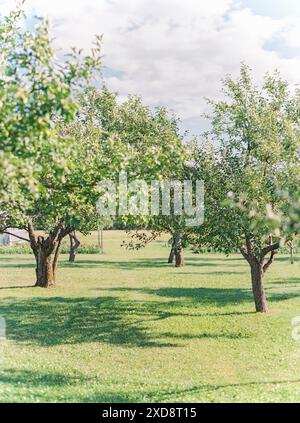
{"x": 152, "y": 229}
{"x": 37, "y": 95}
{"x": 254, "y": 152}
{"x": 33, "y": 90}
{"x": 74, "y": 245}
{"x": 156, "y": 152}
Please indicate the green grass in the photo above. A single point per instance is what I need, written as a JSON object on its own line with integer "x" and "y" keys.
{"x": 125, "y": 326}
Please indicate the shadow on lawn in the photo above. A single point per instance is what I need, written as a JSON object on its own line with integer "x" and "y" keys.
{"x": 220, "y": 273}
{"x": 39, "y": 381}
{"x": 40, "y": 378}
{"x": 287, "y": 281}
{"x": 133, "y": 264}
{"x": 215, "y": 296}
{"x": 119, "y": 321}
{"x": 111, "y": 319}
{"x": 57, "y": 320}
{"x": 17, "y": 287}
{"x": 223, "y": 297}
{"x": 130, "y": 264}
{"x": 165, "y": 396}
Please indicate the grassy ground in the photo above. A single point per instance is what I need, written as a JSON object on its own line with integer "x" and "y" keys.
{"x": 125, "y": 326}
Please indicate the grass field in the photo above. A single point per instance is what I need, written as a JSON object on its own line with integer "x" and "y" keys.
{"x": 125, "y": 326}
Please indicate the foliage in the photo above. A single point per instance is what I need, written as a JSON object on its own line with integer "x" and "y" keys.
{"x": 251, "y": 152}
{"x": 34, "y": 89}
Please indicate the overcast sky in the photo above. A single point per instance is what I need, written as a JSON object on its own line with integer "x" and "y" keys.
{"x": 174, "y": 52}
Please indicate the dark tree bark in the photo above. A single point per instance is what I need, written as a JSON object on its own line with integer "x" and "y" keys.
{"x": 291, "y": 247}
{"x": 44, "y": 270}
{"x": 74, "y": 245}
{"x": 46, "y": 252}
{"x": 178, "y": 250}
{"x": 56, "y": 257}
{"x": 172, "y": 253}
{"x": 258, "y": 289}
{"x": 258, "y": 268}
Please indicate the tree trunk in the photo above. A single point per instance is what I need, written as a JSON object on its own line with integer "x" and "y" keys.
{"x": 178, "y": 251}
{"x": 291, "y": 247}
{"x": 258, "y": 269}
{"x": 43, "y": 249}
{"x": 74, "y": 245}
{"x": 178, "y": 258}
{"x": 56, "y": 257}
{"x": 45, "y": 273}
{"x": 257, "y": 277}
{"x": 172, "y": 253}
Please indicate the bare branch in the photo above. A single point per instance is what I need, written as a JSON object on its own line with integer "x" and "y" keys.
{"x": 16, "y": 236}
{"x": 269, "y": 249}
{"x": 270, "y": 261}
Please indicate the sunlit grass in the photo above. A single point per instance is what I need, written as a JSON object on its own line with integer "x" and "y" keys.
{"x": 126, "y": 326}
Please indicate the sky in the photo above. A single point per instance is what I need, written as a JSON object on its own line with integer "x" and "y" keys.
{"x": 175, "y": 52}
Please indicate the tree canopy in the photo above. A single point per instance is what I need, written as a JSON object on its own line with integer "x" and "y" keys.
{"x": 248, "y": 157}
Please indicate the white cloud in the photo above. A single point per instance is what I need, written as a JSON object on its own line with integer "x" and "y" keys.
{"x": 174, "y": 52}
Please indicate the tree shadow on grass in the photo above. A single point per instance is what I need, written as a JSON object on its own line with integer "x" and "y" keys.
{"x": 17, "y": 287}
{"x": 111, "y": 264}
{"x": 164, "y": 396}
{"x": 110, "y": 319}
{"x": 120, "y": 320}
{"x": 58, "y": 320}
{"x": 286, "y": 258}
{"x": 130, "y": 264}
{"x": 154, "y": 262}
{"x": 203, "y": 335}
{"x": 213, "y": 273}
{"x": 40, "y": 378}
{"x": 172, "y": 394}
{"x": 286, "y": 281}
{"x": 219, "y": 296}
{"x": 223, "y": 297}
{"x": 211, "y": 257}
{"x": 39, "y": 381}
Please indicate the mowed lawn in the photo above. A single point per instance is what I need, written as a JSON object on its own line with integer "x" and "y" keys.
{"x": 126, "y": 326}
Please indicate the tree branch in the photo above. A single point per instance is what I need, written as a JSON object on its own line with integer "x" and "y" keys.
{"x": 270, "y": 261}
{"x": 244, "y": 253}
{"x": 269, "y": 249}
{"x": 56, "y": 255}
{"x": 16, "y": 236}
{"x": 32, "y": 237}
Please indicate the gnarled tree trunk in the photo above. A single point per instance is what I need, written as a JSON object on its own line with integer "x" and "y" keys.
{"x": 45, "y": 274}
{"x": 258, "y": 269}
{"x": 46, "y": 251}
{"x": 74, "y": 245}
